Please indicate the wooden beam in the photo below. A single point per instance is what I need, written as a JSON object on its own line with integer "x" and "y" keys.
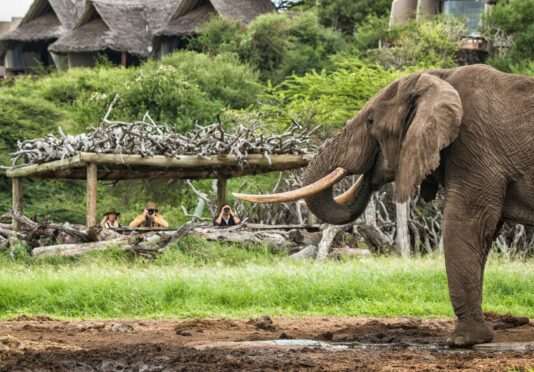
{"x": 184, "y": 167}
{"x": 222, "y": 189}
{"x": 35, "y": 169}
{"x": 284, "y": 162}
{"x": 17, "y": 201}
{"x": 92, "y": 180}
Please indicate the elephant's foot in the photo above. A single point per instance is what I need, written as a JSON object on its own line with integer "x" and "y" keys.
{"x": 469, "y": 333}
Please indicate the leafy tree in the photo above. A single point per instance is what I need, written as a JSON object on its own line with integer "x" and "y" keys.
{"x": 279, "y": 45}
{"x": 346, "y": 14}
{"x": 431, "y": 42}
{"x": 219, "y": 36}
{"x": 328, "y": 99}
{"x": 516, "y": 19}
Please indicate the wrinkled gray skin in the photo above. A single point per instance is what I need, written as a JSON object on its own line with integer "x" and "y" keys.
{"x": 469, "y": 129}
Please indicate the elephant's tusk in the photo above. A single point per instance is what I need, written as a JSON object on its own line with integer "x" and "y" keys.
{"x": 302, "y": 193}
{"x": 351, "y": 193}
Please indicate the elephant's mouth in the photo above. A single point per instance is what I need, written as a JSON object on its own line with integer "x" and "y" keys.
{"x": 327, "y": 182}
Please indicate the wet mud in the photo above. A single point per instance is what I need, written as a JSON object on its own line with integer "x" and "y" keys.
{"x": 261, "y": 344}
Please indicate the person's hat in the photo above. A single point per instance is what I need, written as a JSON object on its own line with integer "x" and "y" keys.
{"x": 113, "y": 211}
{"x": 151, "y": 205}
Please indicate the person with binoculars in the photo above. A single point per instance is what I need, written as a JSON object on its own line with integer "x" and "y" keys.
{"x": 150, "y": 218}
{"x": 226, "y": 217}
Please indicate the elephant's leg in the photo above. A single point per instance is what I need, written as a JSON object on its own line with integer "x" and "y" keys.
{"x": 467, "y": 243}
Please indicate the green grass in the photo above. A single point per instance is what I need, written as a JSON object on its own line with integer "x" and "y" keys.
{"x": 200, "y": 279}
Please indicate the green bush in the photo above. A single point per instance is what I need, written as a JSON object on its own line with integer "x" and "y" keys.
{"x": 219, "y": 36}
{"x": 223, "y": 78}
{"x": 431, "y": 42}
{"x": 280, "y": 45}
{"x": 168, "y": 96}
{"x": 27, "y": 117}
{"x": 516, "y": 19}
{"x": 328, "y": 98}
{"x": 346, "y": 15}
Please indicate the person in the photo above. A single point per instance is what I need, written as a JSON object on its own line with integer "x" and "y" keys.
{"x": 111, "y": 220}
{"x": 226, "y": 217}
{"x": 150, "y": 218}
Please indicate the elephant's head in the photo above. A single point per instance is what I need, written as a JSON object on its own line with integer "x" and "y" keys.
{"x": 397, "y": 137}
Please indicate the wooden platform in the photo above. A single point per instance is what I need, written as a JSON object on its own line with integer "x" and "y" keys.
{"x": 94, "y": 167}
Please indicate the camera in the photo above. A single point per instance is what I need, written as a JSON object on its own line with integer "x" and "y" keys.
{"x": 151, "y": 212}
{"x": 226, "y": 209}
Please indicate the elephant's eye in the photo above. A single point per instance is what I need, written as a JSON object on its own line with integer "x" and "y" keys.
{"x": 370, "y": 123}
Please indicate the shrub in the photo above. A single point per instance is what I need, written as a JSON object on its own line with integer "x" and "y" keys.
{"x": 345, "y": 15}
{"x": 223, "y": 77}
{"x": 219, "y": 36}
{"x": 328, "y": 98}
{"x": 168, "y": 96}
{"x": 279, "y": 45}
{"x": 431, "y": 42}
{"x": 516, "y": 19}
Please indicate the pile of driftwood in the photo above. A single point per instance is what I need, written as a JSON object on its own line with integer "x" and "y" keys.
{"x": 147, "y": 138}
{"x": 49, "y": 239}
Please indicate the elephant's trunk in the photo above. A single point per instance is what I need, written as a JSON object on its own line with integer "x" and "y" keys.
{"x": 324, "y": 206}
{"x": 352, "y": 151}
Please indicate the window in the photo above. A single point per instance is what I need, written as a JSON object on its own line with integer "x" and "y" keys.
{"x": 471, "y": 10}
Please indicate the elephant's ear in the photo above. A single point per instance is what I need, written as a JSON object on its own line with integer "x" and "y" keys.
{"x": 435, "y": 125}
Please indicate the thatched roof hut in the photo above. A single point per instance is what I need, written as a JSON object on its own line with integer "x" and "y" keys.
{"x": 45, "y": 22}
{"x": 120, "y": 26}
{"x": 191, "y": 14}
{"x": 46, "y": 19}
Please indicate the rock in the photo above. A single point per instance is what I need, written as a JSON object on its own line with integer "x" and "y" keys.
{"x": 308, "y": 252}
{"x": 123, "y": 328}
{"x": 305, "y": 238}
{"x": 265, "y": 323}
{"x": 350, "y": 252}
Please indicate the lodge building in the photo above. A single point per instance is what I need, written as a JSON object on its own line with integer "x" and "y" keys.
{"x": 76, "y": 33}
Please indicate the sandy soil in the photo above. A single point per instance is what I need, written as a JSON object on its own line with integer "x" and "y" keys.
{"x": 370, "y": 344}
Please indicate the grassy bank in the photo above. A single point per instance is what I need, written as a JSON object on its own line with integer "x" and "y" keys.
{"x": 236, "y": 282}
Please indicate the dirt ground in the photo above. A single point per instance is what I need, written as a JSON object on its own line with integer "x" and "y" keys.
{"x": 333, "y": 344}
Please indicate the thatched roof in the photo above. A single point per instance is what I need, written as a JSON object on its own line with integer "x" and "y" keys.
{"x": 119, "y": 25}
{"x": 46, "y": 20}
{"x": 189, "y": 23}
{"x": 190, "y": 14}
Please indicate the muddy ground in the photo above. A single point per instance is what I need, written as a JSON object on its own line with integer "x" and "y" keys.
{"x": 43, "y": 344}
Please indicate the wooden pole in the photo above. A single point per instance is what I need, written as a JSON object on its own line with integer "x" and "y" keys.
{"x": 123, "y": 59}
{"x": 222, "y": 187}
{"x": 92, "y": 181}
{"x": 17, "y": 200}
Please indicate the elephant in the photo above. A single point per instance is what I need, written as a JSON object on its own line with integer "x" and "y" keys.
{"x": 469, "y": 130}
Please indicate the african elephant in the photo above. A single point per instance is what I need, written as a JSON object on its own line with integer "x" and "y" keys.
{"x": 469, "y": 129}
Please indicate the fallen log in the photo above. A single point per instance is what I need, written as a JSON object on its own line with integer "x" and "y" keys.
{"x": 276, "y": 240}
{"x": 68, "y": 250}
{"x": 308, "y": 227}
{"x": 155, "y": 243}
{"x": 35, "y": 232}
